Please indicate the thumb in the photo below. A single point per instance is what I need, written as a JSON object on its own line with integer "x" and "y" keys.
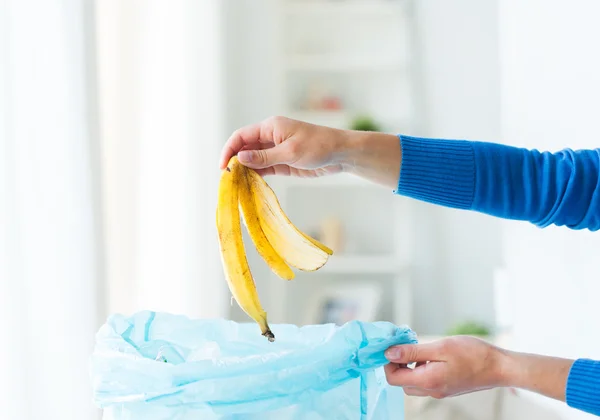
{"x": 258, "y": 159}
{"x": 411, "y": 353}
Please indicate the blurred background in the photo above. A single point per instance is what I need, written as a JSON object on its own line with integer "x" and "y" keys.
{"x": 112, "y": 117}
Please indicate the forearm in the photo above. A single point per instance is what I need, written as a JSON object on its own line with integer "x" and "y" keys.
{"x": 576, "y": 382}
{"x": 372, "y": 156}
{"x": 540, "y": 374}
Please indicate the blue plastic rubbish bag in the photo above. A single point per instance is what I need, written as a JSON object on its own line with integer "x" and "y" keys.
{"x": 158, "y": 366}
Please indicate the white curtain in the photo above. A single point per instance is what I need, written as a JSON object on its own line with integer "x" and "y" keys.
{"x": 110, "y": 128}
{"x": 49, "y": 237}
{"x": 160, "y": 67}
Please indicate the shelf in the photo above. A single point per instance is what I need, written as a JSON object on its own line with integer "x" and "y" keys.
{"x": 358, "y": 8}
{"x": 332, "y": 63}
{"x": 361, "y": 264}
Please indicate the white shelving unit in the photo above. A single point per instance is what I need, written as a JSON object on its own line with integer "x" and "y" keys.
{"x": 339, "y": 59}
{"x": 357, "y": 54}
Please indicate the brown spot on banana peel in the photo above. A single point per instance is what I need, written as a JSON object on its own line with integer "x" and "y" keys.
{"x": 270, "y": 336}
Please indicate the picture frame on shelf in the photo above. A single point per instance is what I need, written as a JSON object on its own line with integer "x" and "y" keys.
{"x": 348, "y": 302}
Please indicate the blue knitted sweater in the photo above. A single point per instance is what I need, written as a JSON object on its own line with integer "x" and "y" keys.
{"x": 543, "y": 188}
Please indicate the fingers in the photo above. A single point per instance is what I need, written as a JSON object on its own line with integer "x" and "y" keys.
{"x": 402, "y": 375}
{"x": 280, "y": 170}
{"x": 285, "y": 170}
{"x": 259, "y": 159}
{"x": 410, "y": 353}
{"x": 249, "y": 137}
{"x": 391, "y": 373}
{"x": 427, "y": 376}
{"x": 391, "y": 368}
{"x": 424, "y": 375}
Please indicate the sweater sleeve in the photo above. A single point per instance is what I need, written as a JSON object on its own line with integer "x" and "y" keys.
{"x": 583, "y": 386}
{"x": 544, "y": 188}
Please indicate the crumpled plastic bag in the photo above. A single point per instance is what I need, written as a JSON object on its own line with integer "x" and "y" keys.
{"x": 159, "y": 366}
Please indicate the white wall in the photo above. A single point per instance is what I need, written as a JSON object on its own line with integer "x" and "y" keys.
{"x": 551, "y": 82}
{"x": 456, "y": 250}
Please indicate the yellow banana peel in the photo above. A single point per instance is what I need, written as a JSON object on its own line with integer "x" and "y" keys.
{"x": 244, "y": 193}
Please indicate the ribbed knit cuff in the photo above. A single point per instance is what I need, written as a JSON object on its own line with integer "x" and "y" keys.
{"x": 583, "y": 386}
{"x": 437, "y": 171}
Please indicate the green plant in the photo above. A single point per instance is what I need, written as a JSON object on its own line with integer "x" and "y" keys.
{"x": 364, "y": 123}
{"x": 469, "y": 328}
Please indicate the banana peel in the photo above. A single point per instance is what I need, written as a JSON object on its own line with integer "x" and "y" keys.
{"x": 233, "y": 254}
{"x": 294, "y": 246}
{"x": 244, "y": 194}
{"x": 252, "y": 220}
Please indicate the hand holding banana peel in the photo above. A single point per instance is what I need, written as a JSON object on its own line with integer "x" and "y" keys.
{"x": 282, "y": 146}
{"x": 277, "y": 240}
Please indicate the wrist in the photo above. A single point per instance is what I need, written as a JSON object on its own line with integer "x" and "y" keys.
{"x": 541, "y": 374}
{"x": 508, "y": 370}
{"x": 373, "y": 156}
{"x": 349, "y": 147}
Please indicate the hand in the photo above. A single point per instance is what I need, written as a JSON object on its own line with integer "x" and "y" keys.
{"x": 460, "y": 365}
{"x": 448, "y": 367}
{"x": 282, "y": 146}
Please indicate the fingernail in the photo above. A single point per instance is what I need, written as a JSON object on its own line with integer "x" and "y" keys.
{"x": 393, "y": 353}
{"x": 245, "y": 156}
